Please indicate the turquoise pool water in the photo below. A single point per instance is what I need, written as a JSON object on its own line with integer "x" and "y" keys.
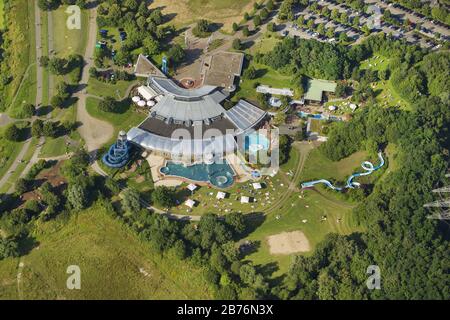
{"x": 219, "y": 175}
{"x": 255, "y": 142}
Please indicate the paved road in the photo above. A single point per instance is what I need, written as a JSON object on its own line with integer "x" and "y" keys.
{"x": 50, "y": 53}
{"x": 38, "y": 102}
{"x": 426, "y": 22}
{"x": 95, "y": 132}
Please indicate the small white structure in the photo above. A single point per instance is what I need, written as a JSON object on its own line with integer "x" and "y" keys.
{"x": 332, "y": 108}
{"x": 275, "y": 102}
{"x": 278, "y": 91}
{"x": 245, "y": 199}
{"x": 353, "y": 106}
{"x": 142, "y": 103}
{"x": 136, "y": 99}
{"x": 190, "y": 203}
{"x": 192, "y": 187}
{"x": 146, "y": 92}
{"x": 151, "y": 103}
{"x": 257, "y": 186}
{"x": 221, "y": 195}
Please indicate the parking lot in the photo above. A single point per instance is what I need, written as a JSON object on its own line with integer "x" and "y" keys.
{"x": 425, "y": 34}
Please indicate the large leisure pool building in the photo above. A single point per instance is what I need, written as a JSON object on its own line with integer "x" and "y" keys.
{"x": 191, "y": 125}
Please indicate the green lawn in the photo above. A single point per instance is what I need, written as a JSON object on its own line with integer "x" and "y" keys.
{"x": 8, "y": 152}
{"x": 319, "y": 167}
{"x": 2, "y": 12}
{"x": 207, "y": 202}
{"x": 265, "y": 43}
{"x": 267, "y": 76}
{"x": 45, "y": 73}
{"x": 111, "y": 258}
{"x": 219, "y": 11}
{"x": 121, "y": 121}
{"x": 53, "y": 147}
{"x": 67, "y": 41}
{"x": 311, "y": 207}
{"x": 102, "y": 89}
{"x": 28, "y": 155}
{"x": 21, "y": 53}
{"x": 385, "y": 90}
{"x": 25, "y": 95}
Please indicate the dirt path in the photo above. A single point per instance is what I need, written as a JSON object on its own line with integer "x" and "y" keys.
{"x": 95, "y": 132}
{"x": 19, "y": 279}
{"x": 304, "y": 148}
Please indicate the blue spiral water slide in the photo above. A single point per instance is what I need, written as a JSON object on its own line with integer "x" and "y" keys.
{"x": 366, "y": 165}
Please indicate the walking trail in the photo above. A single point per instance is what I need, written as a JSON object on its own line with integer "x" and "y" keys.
{"x": 95, "y": 132}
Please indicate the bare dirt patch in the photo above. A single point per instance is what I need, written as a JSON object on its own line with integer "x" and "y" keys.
{"x": 288, "y": 242}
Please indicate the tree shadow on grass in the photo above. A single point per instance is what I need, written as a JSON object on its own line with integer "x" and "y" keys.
{"x": 253, "y": 221}
{"x": 247, "y": 44}
{"x": 261, "y": 72}
{"x": 27, "y": 244}
{"x": 122, "y": 106}
{"x": 44, "y": 110}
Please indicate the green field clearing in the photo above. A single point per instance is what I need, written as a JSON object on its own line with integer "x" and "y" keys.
{"x": 385, "y": 90}
{"x": 291, "y": 164}
{"x": 21, "y": 53}
{"x": 268, "y": 77}
{"x": 265, "y": 44}
{"x": 110, "y": 257}
{"x": 21, "y": 167}
{"x": 102, "y": 89}
{"x": 25, "y": 95}
{"x": 311, "y": 207}
{"x": 219, "y": 11}
{"x": 207, "y": 202}
{"x": 121, "y": 121}
{"x": 2, "y": 14}
{"x": 319, "y": 167}
{"x": 53, "y": 147}
{"x": 8, "y": 152}
{"x": 68, "y": 41}
{"x": 45, "y": 72}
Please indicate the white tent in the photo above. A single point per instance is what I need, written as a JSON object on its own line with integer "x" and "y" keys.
{"x": 146, "y": 92}
{"x": 221, "y": 195}
{"x": 190, "y": 203}
{"x": 151, "y": 103}
{"x": 353, "y": 106}
{"x": 257, "y": 186}
{"x": 245, "y": 199}
{"x": 332, "y": 108}
{"x": 141, "y": 103}
{"x": 136, "y": 99}
{"x": 192, "y": 187}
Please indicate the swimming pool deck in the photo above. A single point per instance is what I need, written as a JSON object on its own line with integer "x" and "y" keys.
{"x": 157, "y": 162}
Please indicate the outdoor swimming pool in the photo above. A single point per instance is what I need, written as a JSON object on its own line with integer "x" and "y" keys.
{"x": 218, "y": 174}
{"x": 256, "y": 142}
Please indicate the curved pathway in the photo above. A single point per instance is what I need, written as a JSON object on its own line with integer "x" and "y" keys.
{"x": 95, "y": 132}
{"x": 304, "y": 148}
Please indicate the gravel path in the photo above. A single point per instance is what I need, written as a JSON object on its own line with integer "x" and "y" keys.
{"x": 95, "y": 132}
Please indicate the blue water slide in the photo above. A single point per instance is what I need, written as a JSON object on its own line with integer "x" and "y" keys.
{"x": 366, "y": 165}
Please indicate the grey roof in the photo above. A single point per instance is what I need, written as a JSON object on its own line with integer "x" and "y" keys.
{"x": 185, "y": 147}
{"x": 161, "y": 128}
{"x": 198, "y": 110}
{"x": 245, "y": 115}
{"x": 167, "y": 86}
{"x": 144, "y": 68}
